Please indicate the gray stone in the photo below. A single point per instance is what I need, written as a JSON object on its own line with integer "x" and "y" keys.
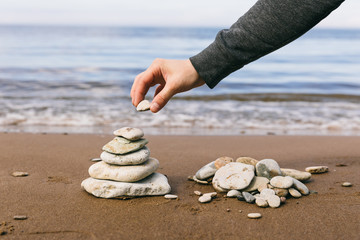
{"x": 254, "y": 215}
{"x": 299, "y": 175}
{"x": 129, "y": 133}
{"x": 234, "y": 176}
{"x": 248, "y": 197}
{"x": 261, "y": 202}
{"x": 317, "y": 169}
{"x": 300, "y": 187}
{"x": 273, "y": 201}
{"x": 206, "y": 171}
{"x": 144, "y": 105}
{"x": 155, "y": 184}
{"x": 282, "y": 182}
{"x": 268, "y": 168}
{"x": 233, "y": 193}
{"x": 222, "y": 161}
{"x": 120, "y": 145}
{"x": 294, "y": 193}
{"x": 102, "y": 170}
{"x": 247, "y": 160}
{"x": 134, "y": 158}
{"x": 256, "y": 183}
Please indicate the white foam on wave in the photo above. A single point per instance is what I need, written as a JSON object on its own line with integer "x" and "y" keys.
{"x": 210, "y": 117}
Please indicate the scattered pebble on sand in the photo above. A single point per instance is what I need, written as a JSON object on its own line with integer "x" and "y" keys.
{"x": 205, "y": 198}
{"x": 267, "y": 184}
{"x": 171, "y": 196}
{"x": 317, "y": 169}
{"x": 20, "y": 174}
{"x": 144, "y": 105}
{"x": 198, "y": 193}
{"x": 20, "y": 217}
{"x": 346, "y": 184}
{"x": 254, "y": 215}
{"x": 228, "y": 210}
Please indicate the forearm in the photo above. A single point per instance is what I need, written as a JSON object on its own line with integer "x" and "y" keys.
{"x": 267, "y": 26}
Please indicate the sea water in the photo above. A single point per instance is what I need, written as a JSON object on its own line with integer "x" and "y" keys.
{"x": 78, "y": 79}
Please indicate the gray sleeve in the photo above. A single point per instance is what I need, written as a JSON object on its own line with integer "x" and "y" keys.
{"x": 267, "y": 26}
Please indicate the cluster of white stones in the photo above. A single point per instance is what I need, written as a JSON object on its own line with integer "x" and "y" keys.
{"x": 261, "y": 182}
{"x": 126, "y": 168}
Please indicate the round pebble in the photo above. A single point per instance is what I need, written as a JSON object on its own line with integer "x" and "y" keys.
{"x": 282, "y": 200}
{"x": 254, "y": 215}
{"x": 346, "y": 184}
{"x": 282, "y": 182}
{"x": 267, "y": 192}
{"x": 273, "y": 201}
{"x": 170, "y": 196}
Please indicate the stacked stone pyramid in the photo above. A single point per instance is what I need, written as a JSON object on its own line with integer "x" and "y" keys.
{"x": 126, "y": 168}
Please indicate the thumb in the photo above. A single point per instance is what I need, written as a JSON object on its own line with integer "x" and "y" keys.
{"x": 161, "y": 99}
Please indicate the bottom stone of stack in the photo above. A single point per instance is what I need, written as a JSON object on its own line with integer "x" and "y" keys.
{"x": 155, "y": 184}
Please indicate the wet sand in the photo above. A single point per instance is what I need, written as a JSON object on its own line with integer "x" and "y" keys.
{"x": 57, "y": 208}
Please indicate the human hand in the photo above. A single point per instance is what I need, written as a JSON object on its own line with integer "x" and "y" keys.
{"x": 173, "y": 76}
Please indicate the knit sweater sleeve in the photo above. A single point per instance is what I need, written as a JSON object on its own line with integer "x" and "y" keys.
{"x": 266, "y": 27}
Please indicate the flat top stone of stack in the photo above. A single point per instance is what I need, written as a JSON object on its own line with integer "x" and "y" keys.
{"x": 129, "y": 133}
{"x": 132, "y": 158}
{"x": 155, "y": 184}
{"x": 120, "y": 145}
{"x": 102, "y": 170}
{"x": 144, "y": 105}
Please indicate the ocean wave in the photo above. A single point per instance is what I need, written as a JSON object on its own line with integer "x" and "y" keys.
{"x": 202, "y": 117}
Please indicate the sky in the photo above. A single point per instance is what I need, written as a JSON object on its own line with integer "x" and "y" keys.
{"x": 207, "y": 13}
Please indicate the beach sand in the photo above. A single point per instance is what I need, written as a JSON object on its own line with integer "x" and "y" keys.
{"x": 57, "y": 208}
